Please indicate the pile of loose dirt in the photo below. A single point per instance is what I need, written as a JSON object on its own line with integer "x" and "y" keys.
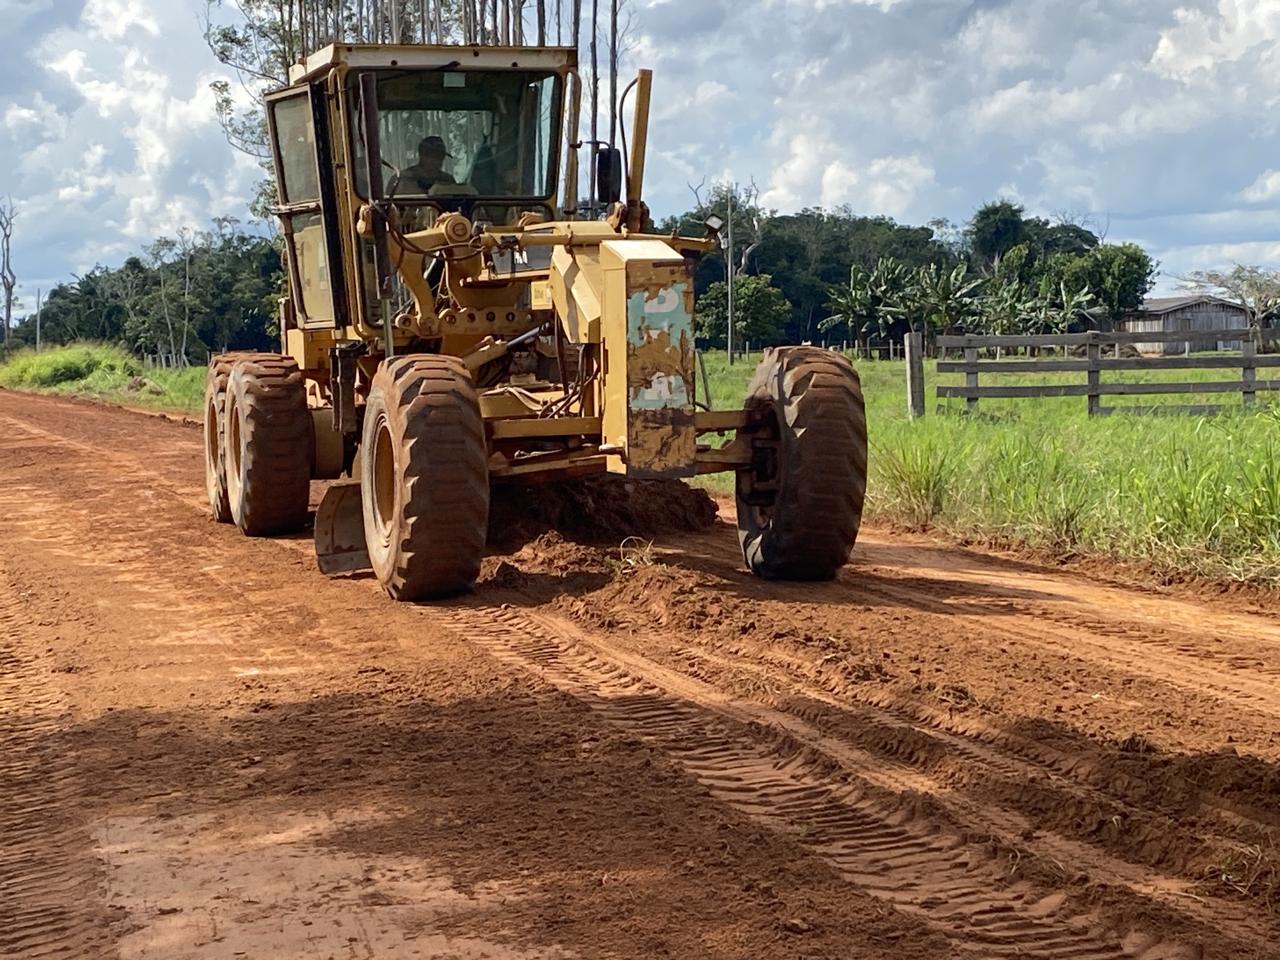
{"x": 596, "y": 510}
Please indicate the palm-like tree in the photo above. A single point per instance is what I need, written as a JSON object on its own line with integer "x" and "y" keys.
{"x": 1008, "y": 308}
{"x": 870, "y": 301}
{"x": 947, "y": 298}
{"x": 1058, "y": 308}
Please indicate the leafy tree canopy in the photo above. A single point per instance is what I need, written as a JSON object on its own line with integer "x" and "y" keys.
{"x": 760, "y": 312}
{"x": 185, "y": 297}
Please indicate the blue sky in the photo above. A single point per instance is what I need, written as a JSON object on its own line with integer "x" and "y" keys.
{"x": 1155, "y": 120}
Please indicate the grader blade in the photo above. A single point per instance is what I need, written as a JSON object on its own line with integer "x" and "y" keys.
{"x": 340, "y": 543}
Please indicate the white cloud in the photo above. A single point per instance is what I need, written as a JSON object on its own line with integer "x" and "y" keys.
{"x": 1158, "y": 118}
{"x": 113, "y": 19}
{"x": 1266, "y": 187}
{"x": 887, "y": 185}
{"x": 114, "y": 137}
{"x": 1201, "y": 42}
{"x": 37, "y": 123}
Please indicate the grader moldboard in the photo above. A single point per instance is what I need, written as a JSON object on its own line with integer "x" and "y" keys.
{"x": 449, "y": 330}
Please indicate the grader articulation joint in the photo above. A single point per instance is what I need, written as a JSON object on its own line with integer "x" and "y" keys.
{"x": 449, "y": 324}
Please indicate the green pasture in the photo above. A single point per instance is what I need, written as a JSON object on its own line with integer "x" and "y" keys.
{"x": 1185, "y": 494}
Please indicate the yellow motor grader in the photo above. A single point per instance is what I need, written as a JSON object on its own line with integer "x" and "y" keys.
{"x": 452, "y": 323}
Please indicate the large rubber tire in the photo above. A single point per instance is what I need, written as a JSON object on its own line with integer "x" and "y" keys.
{"x": 215, "y": 429}
{"x": 267, "y": 445}
{"x": 215, "y": 403}
{"x": 424, "y": 478}
{"x": 800, "y": 505}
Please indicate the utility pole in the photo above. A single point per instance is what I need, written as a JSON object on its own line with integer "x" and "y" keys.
{"x": 39, "y": 304}
{"x": 595, "y": 103}
{"x": 613, "y": 73}
{"x": 728, "y": 268}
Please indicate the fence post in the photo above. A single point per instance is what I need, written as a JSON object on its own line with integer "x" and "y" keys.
{"x": 971, "y": 378}
{"x": 1095, "y": 376}
{"x": 1248, "y": 358}
{"x": 915, "y": 374}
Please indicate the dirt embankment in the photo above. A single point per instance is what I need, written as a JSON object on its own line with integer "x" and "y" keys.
{"x": 616, "y": 748}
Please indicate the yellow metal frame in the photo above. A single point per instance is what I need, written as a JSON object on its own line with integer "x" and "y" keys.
{"x": 621, "y": 299}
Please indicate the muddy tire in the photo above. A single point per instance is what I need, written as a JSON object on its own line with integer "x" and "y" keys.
{"x": 800, "y": 504}
{"x": 215, "y": 428}
{"x": 215, "y": 402}
{"x": 424, "y": 478}
{"x": 267, "y": 445}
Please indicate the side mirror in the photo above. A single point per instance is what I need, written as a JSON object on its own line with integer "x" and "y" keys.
{"x": 608, "y": 175}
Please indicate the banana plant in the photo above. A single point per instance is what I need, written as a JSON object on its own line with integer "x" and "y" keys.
{"x": 947, "y": 299}
{"x": 853, "y": 305}
{"x": 870, "y": 302}
{"x": 1007, "y": 308}
{"x": 1058, "y": 309}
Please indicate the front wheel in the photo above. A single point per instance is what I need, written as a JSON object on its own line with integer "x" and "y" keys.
{"x": 800, "y": 502}
{"x": 424, "y": 478}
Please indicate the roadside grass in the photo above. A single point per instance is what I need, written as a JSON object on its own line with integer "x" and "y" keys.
{"x": 1184, "y": 495}
{"x": 106, "y": 372}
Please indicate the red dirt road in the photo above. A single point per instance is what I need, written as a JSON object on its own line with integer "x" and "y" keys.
{"x": 208, "y": 750}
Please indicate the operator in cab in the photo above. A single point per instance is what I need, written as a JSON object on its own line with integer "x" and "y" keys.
{"x": 429, "y": 170}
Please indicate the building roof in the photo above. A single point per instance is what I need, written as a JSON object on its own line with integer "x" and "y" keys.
{"x": 1162, "y": 305}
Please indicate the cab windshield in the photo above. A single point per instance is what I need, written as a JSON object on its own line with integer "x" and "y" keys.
{"x": 465, "y": 133}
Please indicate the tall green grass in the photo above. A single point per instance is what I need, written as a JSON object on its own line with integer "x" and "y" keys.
{"x": 104, "y": 371}
{"x": 1185, "y": 495}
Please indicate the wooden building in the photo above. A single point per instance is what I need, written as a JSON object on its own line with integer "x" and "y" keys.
{"x": 1190, "y": 313}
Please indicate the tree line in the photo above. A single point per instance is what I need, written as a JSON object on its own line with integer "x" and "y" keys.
{"x": 835, "y": 275}
{"x": 808, "y": 276}
{"x": 184, "y": 297}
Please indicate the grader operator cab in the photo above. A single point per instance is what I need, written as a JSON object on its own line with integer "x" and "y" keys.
{"x": 451, "y": 325}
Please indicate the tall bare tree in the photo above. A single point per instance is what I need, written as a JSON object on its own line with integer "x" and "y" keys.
{"x": 8, "y": 278}
{"x": 1255, "y": 288}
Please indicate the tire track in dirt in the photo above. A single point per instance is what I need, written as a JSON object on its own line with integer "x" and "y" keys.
{"x": 785, "y": 773}
{"x": 49, "y": 885}
{"x": 31, "y": 437}
{"x": 968, "y": 732}
{"x": 864, "y": 820}
{"x": 138, "y": 572}
{"x": 898, "y": 742}
{"x": 1137, "y": 651}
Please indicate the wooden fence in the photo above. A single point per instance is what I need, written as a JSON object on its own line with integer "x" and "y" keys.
{"x": 1094, "y": 363}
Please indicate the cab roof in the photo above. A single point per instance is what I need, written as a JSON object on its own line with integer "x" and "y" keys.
{"x": 432, "y": 56}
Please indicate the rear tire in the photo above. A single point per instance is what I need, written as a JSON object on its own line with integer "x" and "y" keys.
{"x": 267, "y": 445}
{"x": 215, "y": 402}
{"x": 424, "y": 478}
{"x": 215, "y": 429}
{"x": 800, "y": 504}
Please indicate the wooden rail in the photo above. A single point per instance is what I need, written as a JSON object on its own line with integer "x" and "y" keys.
{"x": 1093, "y": 364}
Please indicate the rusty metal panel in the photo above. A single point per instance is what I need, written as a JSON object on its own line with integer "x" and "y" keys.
{"x": 663, "y": 444}
{"x": 649, "y": 359}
